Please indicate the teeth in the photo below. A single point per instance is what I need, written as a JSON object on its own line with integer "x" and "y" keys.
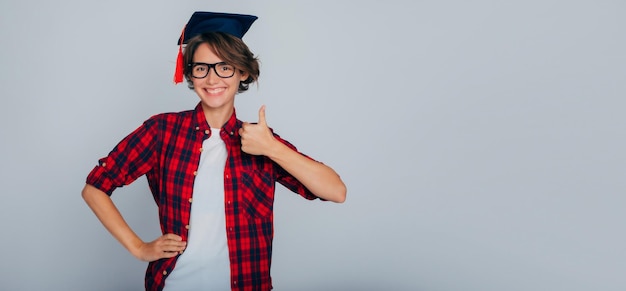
{"x": 216, "y": 90}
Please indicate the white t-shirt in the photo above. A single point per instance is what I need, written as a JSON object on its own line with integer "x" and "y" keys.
{"x": 205, "y": 265}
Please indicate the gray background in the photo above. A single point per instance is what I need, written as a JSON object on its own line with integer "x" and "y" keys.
{"x": 482, "y": 142}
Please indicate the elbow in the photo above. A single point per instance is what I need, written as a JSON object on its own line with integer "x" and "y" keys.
{"x": 90, "y": 192}
{"x": 85, "y": 193}
{"x": 335, "y": 194}
{"x": 340, "y": 195}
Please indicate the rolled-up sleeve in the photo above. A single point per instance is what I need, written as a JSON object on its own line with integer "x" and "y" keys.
{"x": 288, "y": 180}
{"x": 131, "y": 158}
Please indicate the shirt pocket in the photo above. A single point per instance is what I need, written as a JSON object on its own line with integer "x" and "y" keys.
{"x": 258, "y": 193}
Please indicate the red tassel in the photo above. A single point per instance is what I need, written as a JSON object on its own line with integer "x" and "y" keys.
{"x": 178, "y": 74}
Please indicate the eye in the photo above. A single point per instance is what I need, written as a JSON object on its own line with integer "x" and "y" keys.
{"x": 199, "y": 68}
{"x": 225, "y": 68}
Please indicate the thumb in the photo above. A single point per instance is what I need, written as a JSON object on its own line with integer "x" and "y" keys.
{"x": 262, "y": 116}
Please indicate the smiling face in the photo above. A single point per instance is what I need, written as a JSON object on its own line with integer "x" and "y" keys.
{"x": 217, "y": 94}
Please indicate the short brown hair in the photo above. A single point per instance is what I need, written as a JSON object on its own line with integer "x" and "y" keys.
{"x": 230, "y": 49}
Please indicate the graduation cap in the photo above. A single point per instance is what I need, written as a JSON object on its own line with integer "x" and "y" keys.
{"x": 201, "y": 22}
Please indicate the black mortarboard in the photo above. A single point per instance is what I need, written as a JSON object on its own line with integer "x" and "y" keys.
{"x": 201, "y": 22}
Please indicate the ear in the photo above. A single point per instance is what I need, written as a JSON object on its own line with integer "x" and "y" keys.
{"x": 243, "y": 76}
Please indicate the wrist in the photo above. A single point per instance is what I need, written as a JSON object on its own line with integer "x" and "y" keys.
{"x": 135, "y": 248}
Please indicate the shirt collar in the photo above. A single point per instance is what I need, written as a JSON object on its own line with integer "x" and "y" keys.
{"x": 230, "y": 128}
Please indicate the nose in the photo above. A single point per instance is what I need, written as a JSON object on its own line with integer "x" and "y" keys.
{"x": 212, "y": 76}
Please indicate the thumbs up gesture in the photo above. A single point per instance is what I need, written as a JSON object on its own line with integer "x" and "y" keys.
{"x": 257, "y": 138}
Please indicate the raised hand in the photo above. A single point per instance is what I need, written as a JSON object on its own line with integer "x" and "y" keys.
{"x": 165, "y": 246}
{"x": 257, "y": 138}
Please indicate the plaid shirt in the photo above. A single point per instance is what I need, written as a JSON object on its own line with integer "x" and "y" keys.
{"x": 166, "y": 148}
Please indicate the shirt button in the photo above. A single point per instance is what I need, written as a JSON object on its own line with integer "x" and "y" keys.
{"x": 187, "y": 226}
{"x": 195, "y": 173}
{"x": 228, "y": 202}
{"x": 164, "y": 273}
{"x": 207, "y": 131}
{"x": 197, "y": 128}
{"x": 232, "y": 133}
{"x": 227, "y": 176}
{"x": 201, "y": 149}
{"x": 190, "y": 200}
{"x": 104, "y": 164}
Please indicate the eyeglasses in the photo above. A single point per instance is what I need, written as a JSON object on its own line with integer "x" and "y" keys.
{"x": 201, "y": 70}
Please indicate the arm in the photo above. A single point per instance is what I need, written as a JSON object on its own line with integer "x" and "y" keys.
{"x": 166, "y": 246}
{"x": 321, "y": 180}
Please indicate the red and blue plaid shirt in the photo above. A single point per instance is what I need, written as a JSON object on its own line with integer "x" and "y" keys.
{"x": 166, "y": 148}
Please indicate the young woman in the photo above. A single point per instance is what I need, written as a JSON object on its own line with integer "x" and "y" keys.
{"x": 212, "y": 176}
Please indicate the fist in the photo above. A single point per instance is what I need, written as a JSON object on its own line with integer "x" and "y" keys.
{"x": 256, "y": 138}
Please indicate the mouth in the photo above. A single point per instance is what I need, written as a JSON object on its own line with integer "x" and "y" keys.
{"x": 213, "y": 91}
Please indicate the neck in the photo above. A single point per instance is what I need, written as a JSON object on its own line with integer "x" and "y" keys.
{"x": 217, "y": 117}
